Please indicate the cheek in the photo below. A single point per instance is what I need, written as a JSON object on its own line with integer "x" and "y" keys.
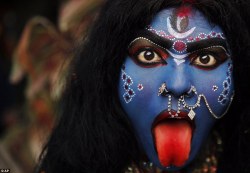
{"x": 134, "y": 87}
{"x": 137, "y": 83}
{"x": 227, "y": 87}
{"x": 218, "y": 89}
{"x": 126, "y": 86}
{"x": 138, "y": 92}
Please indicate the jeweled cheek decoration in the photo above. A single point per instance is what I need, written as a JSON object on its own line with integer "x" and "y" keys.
{"x": 129, "y": 92}
{"x": 140, "y": 87}
{"x": 215, "y": 88}
{"x": 223, "y": 97}
{"x": 128, "y": 82}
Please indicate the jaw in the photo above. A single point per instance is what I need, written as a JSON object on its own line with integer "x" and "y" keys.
{"x": 172, "y": 138}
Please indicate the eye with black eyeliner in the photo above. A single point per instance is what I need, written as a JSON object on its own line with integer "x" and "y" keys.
{"x": 147, "y": 57}
{"x": 209, "y": 58}
{"x": 146, "y": 53}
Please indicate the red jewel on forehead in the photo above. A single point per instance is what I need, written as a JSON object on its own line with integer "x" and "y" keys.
{"x": 179, "y": 46}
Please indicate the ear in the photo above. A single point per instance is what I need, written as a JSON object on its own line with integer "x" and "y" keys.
{"x": 39, "y": 55}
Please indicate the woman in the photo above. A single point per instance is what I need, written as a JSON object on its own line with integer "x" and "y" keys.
{"x": 157, "y": 59}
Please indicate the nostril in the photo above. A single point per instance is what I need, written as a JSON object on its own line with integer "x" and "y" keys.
{"x": 176, "y": 91}
{"x": 192, "y": 91}
{"x": 163, "y": 90}
{"x": 188, "y": 95}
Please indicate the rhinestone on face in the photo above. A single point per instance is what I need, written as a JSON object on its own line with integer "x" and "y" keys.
{"x": 140, "y": 87}
{"x": 215, "y": 88}
{"x": 191, "y": 114}
{"x": 179, "y": 46}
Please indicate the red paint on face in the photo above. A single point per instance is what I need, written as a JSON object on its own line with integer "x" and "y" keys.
{"x": 184, "y": 11}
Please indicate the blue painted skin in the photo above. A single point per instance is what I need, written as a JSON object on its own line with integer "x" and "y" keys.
{"x": 145, "y": 105}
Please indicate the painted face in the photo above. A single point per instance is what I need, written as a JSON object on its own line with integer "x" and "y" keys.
{"x": 175, "y": 83}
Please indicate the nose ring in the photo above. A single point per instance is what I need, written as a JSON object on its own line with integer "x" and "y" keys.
{"x": 163, "y": 90}
{"x": 191, "y": 92}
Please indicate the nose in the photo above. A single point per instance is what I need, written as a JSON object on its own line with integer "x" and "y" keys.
{"x": 179, "y": 83}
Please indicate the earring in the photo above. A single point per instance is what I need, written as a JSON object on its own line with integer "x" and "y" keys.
{"x": 163, "y": 90}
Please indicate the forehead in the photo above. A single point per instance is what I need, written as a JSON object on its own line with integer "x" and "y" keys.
{"x": 185, "y": 21}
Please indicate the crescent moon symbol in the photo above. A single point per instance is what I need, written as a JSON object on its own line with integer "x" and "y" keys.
{"x": 176, "y": 34}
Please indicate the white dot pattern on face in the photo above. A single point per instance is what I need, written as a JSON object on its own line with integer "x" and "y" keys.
{"x": 128, "y": 82}
{"x": 180, "y": 46}
{"x": 215, "y": 88}
{"x": 160, "y": 33}
{"x": 201, "y": 36}
{"x": 223, "y": 98}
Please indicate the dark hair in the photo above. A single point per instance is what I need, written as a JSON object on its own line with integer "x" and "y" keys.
{"x": 94, "y": 134}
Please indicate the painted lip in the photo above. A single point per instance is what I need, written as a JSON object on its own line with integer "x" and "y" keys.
{"x": 168, "y": 115}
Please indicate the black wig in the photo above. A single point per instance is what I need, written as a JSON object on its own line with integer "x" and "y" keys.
{"x": 93, "y": 133}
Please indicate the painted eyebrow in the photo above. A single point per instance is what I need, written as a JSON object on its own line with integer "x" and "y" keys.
{"x": 191, "y": 47}
{"x": 160, "y": 41}
{"x": 198, "y": 45}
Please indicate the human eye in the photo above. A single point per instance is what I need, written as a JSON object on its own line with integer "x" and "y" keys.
{"x": 209, "y": 58}
{"x": 148, "y": 57}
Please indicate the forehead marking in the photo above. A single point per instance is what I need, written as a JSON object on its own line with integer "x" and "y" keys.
{"x": 176, "y": 34}
{"x": 178, "y": 22}
{"x": 179, "y": 59}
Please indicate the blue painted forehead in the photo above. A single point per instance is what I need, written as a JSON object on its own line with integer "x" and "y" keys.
{"x": 183, "y": 20}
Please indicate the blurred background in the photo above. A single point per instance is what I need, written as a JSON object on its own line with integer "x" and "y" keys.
{"x": 37, "y": 41}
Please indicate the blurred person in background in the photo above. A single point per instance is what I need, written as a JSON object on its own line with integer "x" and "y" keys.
{"x": 40, "y": 59}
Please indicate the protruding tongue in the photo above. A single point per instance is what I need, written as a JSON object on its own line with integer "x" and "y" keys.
{"x": 173, "y": 141}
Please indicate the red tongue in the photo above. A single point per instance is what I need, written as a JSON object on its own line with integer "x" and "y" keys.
{"x": 172, "y": 142}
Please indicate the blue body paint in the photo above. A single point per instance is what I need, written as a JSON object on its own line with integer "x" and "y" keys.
{"x": 144, "y": 105}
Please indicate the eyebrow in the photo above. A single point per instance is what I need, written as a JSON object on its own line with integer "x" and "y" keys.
{"x": 202, "y": 44}
{"x": 191, "y": 47}
{"x": 163, "y": 42}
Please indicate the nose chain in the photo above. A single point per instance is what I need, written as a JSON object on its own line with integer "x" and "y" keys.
{"x": 164, "y": 92}
{"x": 191, "y": 108}
{"x": 170, "y": 106}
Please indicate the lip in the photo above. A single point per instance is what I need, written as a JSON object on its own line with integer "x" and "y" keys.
{"x": 166, "y": 115}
